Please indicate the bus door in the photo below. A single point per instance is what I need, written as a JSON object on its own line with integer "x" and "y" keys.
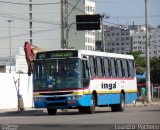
{"x": 85, "y": 74}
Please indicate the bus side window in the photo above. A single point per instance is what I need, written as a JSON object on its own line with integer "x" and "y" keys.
{"x": 99, "y": 66}
{"x": 119, "y": 68}
{"x": 85, "y": 72}
{"x": 125, "y": 68}
{"x": 131, "y": 68}
{"x": 106, "y": 68}
{"x": 92, "y": 66}
{"x": 113, "y": 68}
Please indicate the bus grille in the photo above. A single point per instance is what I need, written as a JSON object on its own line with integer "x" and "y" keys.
{"x": 55, "y": 98}
{"x": 57, "y": 104}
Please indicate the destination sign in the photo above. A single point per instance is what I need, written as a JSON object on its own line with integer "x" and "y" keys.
{"x": 57, "y": 54}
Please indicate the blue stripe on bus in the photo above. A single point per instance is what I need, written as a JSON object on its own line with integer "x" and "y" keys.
{"x": 106, "y": 99}
{"x": 130, "y": 97}
{"x": 85, "y": 100}
{"x": 39, "y": 104}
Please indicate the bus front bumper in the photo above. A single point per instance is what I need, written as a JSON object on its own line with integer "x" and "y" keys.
{"x": 62, "y": 101}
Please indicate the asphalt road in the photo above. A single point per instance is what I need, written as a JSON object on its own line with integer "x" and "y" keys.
{"x": 72, "y": 118}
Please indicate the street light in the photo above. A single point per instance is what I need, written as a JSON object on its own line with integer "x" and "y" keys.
{"x": 10, "y": 51}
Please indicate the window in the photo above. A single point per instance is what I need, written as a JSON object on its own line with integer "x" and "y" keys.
{"x": 125, "y": 68}
{"x": 99, "y": 67}
{"x": 106, "y": 67}
{"x": 127, "y": 33}
{"x": 127, "y": 38}
{"x": 85, "y": 73}
{"x": 131, "y": 68}
{"x": 119, "y": 68}
{"x": 117, "y": 39}
{"x": 92, "y": 66}
{"x": 122, "y": 39}
{"x": 113, "y": 68}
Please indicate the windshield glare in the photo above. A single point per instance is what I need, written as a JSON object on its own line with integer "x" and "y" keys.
{"x": 57, "y": 74}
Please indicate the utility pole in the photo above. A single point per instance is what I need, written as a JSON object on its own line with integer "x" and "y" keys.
{"x": 148, "y": 84}
{"x": 104, "y": 16}
{"x": 30, "y": 21}
{"x": 62, "y": 25}
{"x": 66, "y": 24}
{"x": 10, "y": 46}
{"x": 102, "y": 40}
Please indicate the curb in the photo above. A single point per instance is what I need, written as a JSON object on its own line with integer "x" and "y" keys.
{"x": 142, "y": 105}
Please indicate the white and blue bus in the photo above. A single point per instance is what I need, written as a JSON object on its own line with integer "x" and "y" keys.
{"x": 68, "y": 79}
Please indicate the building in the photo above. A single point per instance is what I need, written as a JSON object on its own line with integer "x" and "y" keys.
{"x": 132, "y": 38}
{"x": 17, "y": 64}
{"x": 80, "y": 39}
{"x": 118, "y": 39}
{"x": 139, "y": 40}
{"x": 46, "y": 27}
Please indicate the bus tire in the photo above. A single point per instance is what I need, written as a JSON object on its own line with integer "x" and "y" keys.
{"x": 121, "y": 106}
{"x": 51, "y": 111}
{"x": 81, "y": 109}
{"x": 91, "y": 109}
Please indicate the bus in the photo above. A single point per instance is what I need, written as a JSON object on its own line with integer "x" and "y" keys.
{"x": 83, "y": 80}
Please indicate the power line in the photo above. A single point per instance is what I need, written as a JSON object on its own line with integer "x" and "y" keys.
{"x": 17, "y": 3}
{"x": 19, "y": 35}
{"x": 76, "y": 8}
{"x": 135, "y": 17}
{"x": 73, "y": 7}
{"x": 112, "y": 23}
{"x": 2, "y": 14}
{"x": 115, "y": 2}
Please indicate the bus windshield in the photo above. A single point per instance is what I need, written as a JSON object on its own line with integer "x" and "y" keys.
{"x": 56, "y": 74}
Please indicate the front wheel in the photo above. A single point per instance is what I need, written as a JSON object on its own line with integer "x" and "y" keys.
{"x": 51, "y": 111}
{"x": 91, "y": 109}
{"x": 81, "y": 109}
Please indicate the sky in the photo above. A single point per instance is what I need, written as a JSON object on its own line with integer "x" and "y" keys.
{"x": 126, "y": 11}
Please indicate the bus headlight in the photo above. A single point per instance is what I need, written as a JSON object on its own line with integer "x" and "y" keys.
{"x": 74, "y": 97}
{"x": 38, "y": 98}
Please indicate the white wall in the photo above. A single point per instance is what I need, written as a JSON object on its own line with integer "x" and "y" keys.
{"x": 8, "y": 94}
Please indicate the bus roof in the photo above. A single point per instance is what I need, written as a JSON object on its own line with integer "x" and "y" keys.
{"x": 105, "y": 54}
{"x": 89, "y": 53}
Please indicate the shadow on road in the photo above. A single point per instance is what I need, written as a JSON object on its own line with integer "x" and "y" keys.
{"x": 23, "y": 113}
{"x": 44, "y": 113}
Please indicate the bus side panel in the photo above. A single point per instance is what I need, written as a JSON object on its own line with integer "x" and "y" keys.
{"x": 115, "y": 98}
{"x": 85, "y": 100}
{"x": 106, "y": 99}
{"x": 130, "y": 97}
{"x": 103, "y": 99}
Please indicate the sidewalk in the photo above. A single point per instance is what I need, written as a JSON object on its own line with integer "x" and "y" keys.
{"x": 138, "y": 103}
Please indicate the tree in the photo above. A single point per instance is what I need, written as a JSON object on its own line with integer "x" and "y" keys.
{"x": 155, "y": 70}
{"x": 139, "y": 61}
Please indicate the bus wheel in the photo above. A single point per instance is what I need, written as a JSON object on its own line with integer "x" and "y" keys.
{"x": 51, "y": 111}
{"x": 91, "y": 109}
{"x": 121, "y": 106}
{"x": 81, "y": 109}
